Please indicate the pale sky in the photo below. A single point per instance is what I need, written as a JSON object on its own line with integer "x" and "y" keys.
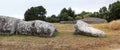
{"x": 17, "y": 8}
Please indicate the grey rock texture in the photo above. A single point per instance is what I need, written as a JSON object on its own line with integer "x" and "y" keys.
{"x": 36, "y": 28}
{"x": 67, "y": 22}
{"x": 86, "y": 29}
{"x": 92, "y": 20}
{"x": 44, "y": 27}
{"x": 8, "y": 25}
{"x": 24, "y": 27}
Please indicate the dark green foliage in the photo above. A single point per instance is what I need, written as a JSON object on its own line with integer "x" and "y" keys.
{"x": 95, "y": 14}
{"x": 52, "y": 19}
{"x": 35, "y": 13}
{"x": 83, "y": 14}
{"x": 103, "y": 13}
{"x": 71, "y": 13}
{"x": 63, "y": 16}
{"x": 114, "y": 10}
{"x": 67, "y": 15}
{"x": 111, "y": 13}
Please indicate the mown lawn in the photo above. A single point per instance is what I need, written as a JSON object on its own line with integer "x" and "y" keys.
{"x": 64, "y": 40}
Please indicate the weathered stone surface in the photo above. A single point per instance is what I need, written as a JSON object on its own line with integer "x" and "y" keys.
{"x": 86, "y": 29}
{"x": 44, "y": 27}
{"x": 92, "y": 20}
{"x": 24, "y": 27}
{"x": 8, "y": 25}
{"x": 36, "y": 28}
{"x": 67, "y": 22}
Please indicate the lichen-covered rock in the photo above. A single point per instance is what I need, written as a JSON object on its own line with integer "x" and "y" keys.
{"x": 24, "y": 27}
{"x": 36, "y": 28}
{"x": 44, "y": 28}
{"x": 86, "y": 29}
{"x": 8, "y": 25}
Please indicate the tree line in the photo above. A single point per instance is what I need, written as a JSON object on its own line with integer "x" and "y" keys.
{"x": 39, "y": 13}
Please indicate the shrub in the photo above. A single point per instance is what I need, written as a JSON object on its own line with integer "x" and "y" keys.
{"x": 115, "y": 25}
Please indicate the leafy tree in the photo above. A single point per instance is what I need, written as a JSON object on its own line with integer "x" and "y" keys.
{"x": 114, "y": 10}
{"x": 52, "y": 19}
{"x": 103, "y": 13}
{"x": 70, "y": 18}
{"x": 84, "y": 14}
{"x": 67, "y": 15}
{"x": 111, "y": 13}
{"x": 35, "y": 13}
{"x": 71, "y": 13}
{"x": 95, "y": 14}
{"x": 64, "y": 10}
{"x": 63, "y": 16}
{"x": 48, "y": 19}
{"x": 78, "y": 17}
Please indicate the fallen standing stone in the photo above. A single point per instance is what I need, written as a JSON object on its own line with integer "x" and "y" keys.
{"x": 86, "y": 29}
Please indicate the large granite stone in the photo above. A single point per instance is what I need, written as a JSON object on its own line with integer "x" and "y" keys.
{"x": 86, "y": 29}
{"x": 36, "y": 28}
{"x": 8, "y": 25}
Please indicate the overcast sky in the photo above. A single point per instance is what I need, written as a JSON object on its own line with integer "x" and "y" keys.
{"x": 17, "y": 8}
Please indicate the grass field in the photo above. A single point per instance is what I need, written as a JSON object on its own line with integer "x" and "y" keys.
{"x": 64, "y": 40}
